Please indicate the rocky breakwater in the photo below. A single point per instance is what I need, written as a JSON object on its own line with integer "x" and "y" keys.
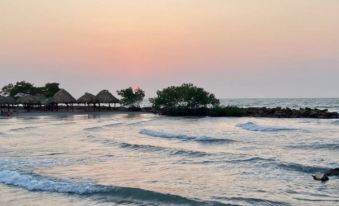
{"x": 233, "y": 111}
{"x": 279, "y": 112}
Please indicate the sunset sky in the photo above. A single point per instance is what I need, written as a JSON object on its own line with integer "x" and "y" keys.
{"x": 233, "y": 48}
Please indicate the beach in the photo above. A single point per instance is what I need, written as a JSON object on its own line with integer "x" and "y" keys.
{"x": 119, "y": 158}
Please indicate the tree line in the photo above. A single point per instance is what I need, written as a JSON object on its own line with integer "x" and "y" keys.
{"x": 185, "y": 99}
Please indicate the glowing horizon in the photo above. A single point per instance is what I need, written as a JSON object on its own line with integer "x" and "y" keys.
{"x": 234, "y": 48}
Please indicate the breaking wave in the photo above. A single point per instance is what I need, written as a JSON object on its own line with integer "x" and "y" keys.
{"x": 64, "y": 123}
{"x": 273, "y": 164}
{"x": 170, "y": 151}
{"x": 34, "y": 182}
{"x": 255, "y": 201}
{"x": 21, "y": 129}
{"x": 93, "y": 128}
{"x": 140, "y": 122}
{"x": 250, "y": 126}
{"x": 329, "y": 146}
{"x": 183, "y": 137}
{"x": 113, "y": 124}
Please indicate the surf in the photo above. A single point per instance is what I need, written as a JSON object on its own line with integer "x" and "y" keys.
{"x": 184, "y": 137}
{"x": 37, "y": 183}
{"x": 250, "y": 126}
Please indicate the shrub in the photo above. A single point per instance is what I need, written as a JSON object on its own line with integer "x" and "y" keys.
{"x": 229, "y": 111}
{"x": 28, "y": 88}
{"x": 130, "y": 97}
{"x": 185, "y": 97}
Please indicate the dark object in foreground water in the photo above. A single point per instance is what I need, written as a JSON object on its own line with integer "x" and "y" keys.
{"x": 324, "y": 177}
{"x": 321, "y": 177}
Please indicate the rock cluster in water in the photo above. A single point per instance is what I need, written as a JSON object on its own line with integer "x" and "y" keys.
{"x": 279, "y": 112}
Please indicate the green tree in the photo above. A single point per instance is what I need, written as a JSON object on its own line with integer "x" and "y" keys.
{"x": 6, "y": 90}
{"x": 186, "y": 96}
{"x": 50, "y": 89}
{"x": 131, "y": 97}
{"x": 22, "y": 87}
{"x": 28, "y": 88}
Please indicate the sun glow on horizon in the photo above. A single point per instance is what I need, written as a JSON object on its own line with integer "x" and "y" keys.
{"x": 148, "y": 39}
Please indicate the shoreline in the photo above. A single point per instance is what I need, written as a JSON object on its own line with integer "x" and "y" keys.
{"x": 229, "y": 111}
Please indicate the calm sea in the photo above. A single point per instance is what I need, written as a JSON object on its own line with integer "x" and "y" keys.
{"x": 144, "y": 159}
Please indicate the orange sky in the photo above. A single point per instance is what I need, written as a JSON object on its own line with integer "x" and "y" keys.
{"x": 141, "y": 41}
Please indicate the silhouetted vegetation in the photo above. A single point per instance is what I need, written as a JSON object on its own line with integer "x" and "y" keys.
{"x": 50, "y": 89}
{"x": 28, "y": 88}
{"x": 218, "y": 111}
{"x": 184, "y": 100}
{"x": 131, "y": 98}
{"x": 228, "y": 111}
{"x": 185, "y": 97}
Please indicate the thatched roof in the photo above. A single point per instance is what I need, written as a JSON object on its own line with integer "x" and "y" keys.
{"x": 87, "y": 98}
{"x": 6, "y": 100}
{"x": 47, "y": 101}
{"x": 41, "y": 97}
{"x": 20, "y": 94}
{"x": 106, "y": 97}
{"x": 62, "y": 96}
{"x": 29, "y": 99}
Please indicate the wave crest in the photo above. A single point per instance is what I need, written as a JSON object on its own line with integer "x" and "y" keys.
{"x": 33, "y": 182}
{"x": 170, "y": 151}
{"x": 184, "y": 137}
{"x": 92, "y": 128}
{"x": 21, "y": 129}
{"x": 38, "y": 183}
{"x": 329, "y": 146}
{"x": 113, "y": 124}
{"x": 250, "y": 126}
{"x": 275, "y": 164}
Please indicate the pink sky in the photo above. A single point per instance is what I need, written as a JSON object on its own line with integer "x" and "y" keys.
{"x": 234, "y": 48}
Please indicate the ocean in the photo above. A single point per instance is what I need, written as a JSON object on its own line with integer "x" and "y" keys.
{"x": 79, "y": 159}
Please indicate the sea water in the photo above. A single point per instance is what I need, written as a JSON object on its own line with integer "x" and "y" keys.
{"x": 145, "y": 159}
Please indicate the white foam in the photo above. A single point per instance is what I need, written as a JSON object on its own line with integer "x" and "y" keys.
{"x": 40, "y": 183}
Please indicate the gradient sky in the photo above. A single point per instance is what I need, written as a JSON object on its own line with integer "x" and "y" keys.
{"x": 233, "y": 48}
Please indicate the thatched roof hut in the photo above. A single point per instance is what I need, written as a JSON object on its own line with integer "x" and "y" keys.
{"x": 20, "y": 94}
{"x": 6, "y": 100}
{"x": 62, "y": 96}
{"x": 105, "y": 96}
{"x": 47, "y": 101}
{"x": 29, "y": 99}
{"x": 87, "y": 98}
{"x": 41, "y": 97}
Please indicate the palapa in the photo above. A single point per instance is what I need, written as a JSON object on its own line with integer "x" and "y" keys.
{"x": 105, "y": 96}
{"x": 62, "y": 96}
{"x": 87, "y": 98}
{"x": 47, "y": 101}
{"x": 6, "y": 100}
{"x": 29, "y": 100}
